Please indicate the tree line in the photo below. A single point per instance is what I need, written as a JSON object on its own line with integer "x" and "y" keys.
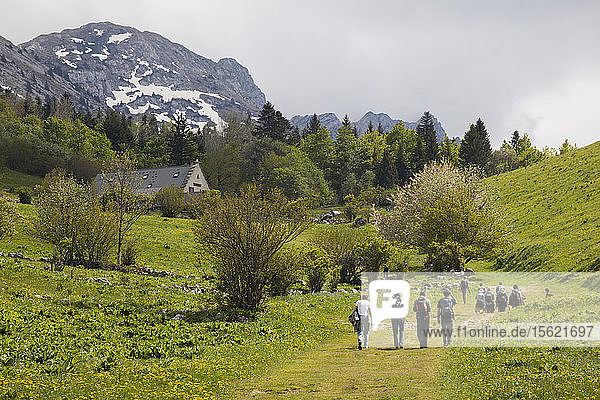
{"x": 304, "y": 162}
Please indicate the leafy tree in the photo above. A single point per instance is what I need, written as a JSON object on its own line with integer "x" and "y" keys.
{"x": 502, "y": 160}
{"x": 447, "y": 214}
{"x": 272, "y": 124}
{"x": 449, "y": 151}
{"x": 295, "y": 137}
{"x": 426, "y": 132}
{"x": 475, "y": 148}
{"x": 222, "y": 168}
{"x": 296, "y": 176}
{"x": 69, "y": 216}
{"x": 527, "y": 153}
{"x": 121, "y": 193}
{"x": 342, "y": 244}
{"x": 370, "y": 127}
{"x": 245, "y": 233}
{"x": 8, "y": 218}
{"x": 320, "y": 148}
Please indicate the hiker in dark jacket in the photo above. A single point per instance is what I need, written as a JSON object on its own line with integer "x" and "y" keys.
{"x": 501, "y": 300}
{"x": 445, "y": 315}
{"x": 516, "y": 297}
{"x": 490, "y": 301}
{"x": 464, "y": 288}
{"x": 422, "y": 308}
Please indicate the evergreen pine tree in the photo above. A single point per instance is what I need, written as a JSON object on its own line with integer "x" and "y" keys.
{"x": 181, "y": 149}
{"x": 475, "y": 148}
{"x": 419, "y": 160}
{"x": 346, "y": 121}
{"x": 402, "y": 170}
{"x": 514, "y": 140}
{"x": 272, "y": 124}
{"x": 312, "y": 126}
{"x": 386, "y": 174}
{"x": 380, "y": 129}
{"x": 295, "y": 137}
{"x": 426, "y": 132}
{"x": 370, "y": 128}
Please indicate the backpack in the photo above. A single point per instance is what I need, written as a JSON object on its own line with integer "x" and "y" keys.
{"x": 502, "y": 298}
{"x": 446, "y": 311}
{"x": 421, "y": 307}
{"x": 354, "y": 320}
{"x": 489, "y": 297}
{"x": 515, "y": 298}
{"x": 480, "y": 297}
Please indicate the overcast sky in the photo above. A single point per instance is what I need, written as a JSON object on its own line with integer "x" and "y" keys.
{"x": 532, "y": 66}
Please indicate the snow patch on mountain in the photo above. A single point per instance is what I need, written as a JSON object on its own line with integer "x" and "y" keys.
{"x": 77, "y": 40}
{"x": 99, "y": 32}
{"x": 128, "y": 94}
{"x": 142, "y": 109}
{"x": 119, "y": 38}
{"x": 102, "y": 56}
{"x": 61, "y": 53}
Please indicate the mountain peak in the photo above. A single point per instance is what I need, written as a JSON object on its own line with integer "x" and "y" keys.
{"x": 136, "y": 72}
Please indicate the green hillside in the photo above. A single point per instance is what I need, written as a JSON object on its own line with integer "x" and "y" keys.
{"x": 553, "y": 208}
{"x": 10, "y": 179}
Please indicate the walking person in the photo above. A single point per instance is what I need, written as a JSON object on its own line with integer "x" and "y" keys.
{"x": 464, "y": 288}
{"x": 516, "y": 298}
{"x": 490, "y": 301}
{"x": 422, "y": 308}
{"x": 445, "y": 315}
{"x": 398, "y": 332}
{"x": 501, "y": 300}
{"x": 364, "y": 312}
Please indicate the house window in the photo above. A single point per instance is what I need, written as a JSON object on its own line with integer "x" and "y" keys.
{"x": 191, "y": 189}
{"x": 176, "y": 174}
{"x": 145, "y": 176}
{"x": 149, "y": 185}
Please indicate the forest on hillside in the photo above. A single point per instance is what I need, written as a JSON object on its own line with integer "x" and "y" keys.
{"x": 304, "y": 162}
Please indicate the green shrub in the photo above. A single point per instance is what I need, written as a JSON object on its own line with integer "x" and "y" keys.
{"x": 25, "y": 194}
{"x": 130, "y": 253}
{"x": 170, "y": 201}
{"x": 317, "y": 266}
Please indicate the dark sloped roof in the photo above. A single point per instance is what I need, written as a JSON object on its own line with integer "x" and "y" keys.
{"x": 153, "y": 179}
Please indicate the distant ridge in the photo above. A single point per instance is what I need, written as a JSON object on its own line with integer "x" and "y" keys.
{"x": 332, "y": 122}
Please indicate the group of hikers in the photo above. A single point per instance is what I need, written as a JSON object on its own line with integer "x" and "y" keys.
{"x": 486, "y": 300}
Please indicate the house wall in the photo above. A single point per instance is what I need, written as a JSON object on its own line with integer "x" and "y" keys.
{"x": 196, "y": 180}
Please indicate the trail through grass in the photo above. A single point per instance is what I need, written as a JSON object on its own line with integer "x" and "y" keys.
{"x": 338, "y": 370}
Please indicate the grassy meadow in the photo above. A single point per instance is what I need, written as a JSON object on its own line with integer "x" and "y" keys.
{"x": 98, "y": 334}
{"x": 553, "y": 210}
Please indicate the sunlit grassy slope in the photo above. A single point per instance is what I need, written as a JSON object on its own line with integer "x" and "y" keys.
{"x": 10, "y": 179}
{"x": 554, "y": 210}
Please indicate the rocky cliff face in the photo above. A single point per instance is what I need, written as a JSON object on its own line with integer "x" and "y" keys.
{"x": 137, "y": 72}
{"x": 21, "y": 72}
{"x": 332, "y": 122}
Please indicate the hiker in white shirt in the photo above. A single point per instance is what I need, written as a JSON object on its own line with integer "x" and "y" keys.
{"x": 364, "y": 311}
